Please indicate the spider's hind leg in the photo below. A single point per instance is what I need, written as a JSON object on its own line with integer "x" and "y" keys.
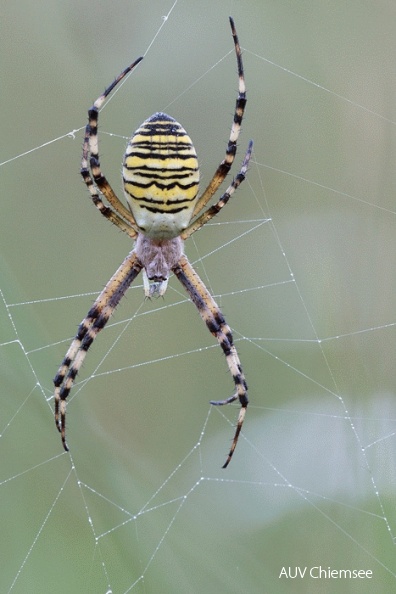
{"x": 214, "y": 320}
{"x": 241, "y": 418}
{"x": 92, "y": 324}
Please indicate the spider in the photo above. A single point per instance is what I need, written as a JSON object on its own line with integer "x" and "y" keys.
{"x": 160, "y": 176}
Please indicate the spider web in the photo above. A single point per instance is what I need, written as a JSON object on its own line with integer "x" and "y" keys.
{"x": 301, "y": 262}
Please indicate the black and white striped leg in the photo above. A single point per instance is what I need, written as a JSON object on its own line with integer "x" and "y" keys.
{"x": 89, "y": 328}
{"x": 214, "y": 320}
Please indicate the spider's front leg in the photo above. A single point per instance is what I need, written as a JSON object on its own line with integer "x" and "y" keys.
{"x": 89, "y": 328}
{"x": 214, "y": 320}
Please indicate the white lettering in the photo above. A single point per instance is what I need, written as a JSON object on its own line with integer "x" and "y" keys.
{"x": 318, "y": 572}
{"x": 292, "y": 572}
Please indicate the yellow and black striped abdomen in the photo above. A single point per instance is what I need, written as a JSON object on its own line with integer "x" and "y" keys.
{"x": 161, "y": 177}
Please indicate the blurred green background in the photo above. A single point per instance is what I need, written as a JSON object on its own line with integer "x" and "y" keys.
{"x": 302, "y": 263}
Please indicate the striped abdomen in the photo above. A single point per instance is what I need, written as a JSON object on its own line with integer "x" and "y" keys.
{"x": 161, "y": 176}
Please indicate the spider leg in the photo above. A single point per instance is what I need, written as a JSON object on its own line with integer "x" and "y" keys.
{"x": 213, "y": 210}
{"x": 214, "y": 320}
{"x": 225, "y": 165}
{"x": 91, "y": 325}
{"x": 120, "y": 216}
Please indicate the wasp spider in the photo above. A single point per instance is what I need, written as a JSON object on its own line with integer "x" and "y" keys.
{"x": 160, "y": 174}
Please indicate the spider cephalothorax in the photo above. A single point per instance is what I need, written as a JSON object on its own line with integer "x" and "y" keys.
{"x": 161, "y": 176}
